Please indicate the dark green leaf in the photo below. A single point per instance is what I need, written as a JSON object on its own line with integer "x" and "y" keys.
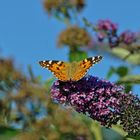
{"x": 133, "y": 137}
{"x": 7, "y": 133}
{"x": 122, "y": 71}
{"x": 128, "y": 88}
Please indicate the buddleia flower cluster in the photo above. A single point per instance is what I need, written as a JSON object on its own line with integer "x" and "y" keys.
{"x": 101, "y": 100}
{"x": 74, "y": 36}
{"x": 108, "y": 30}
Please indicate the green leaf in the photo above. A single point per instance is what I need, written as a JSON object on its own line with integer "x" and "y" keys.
{"x": 111, "y": 72}
{"x": 96, "y": 130}
{"x": 125, "y": 54}
{"x": 7, "y": 133}
{"x": 110, "y": 134}
{"x": 118, "y": 128}
{"x": 130, "y": 79}
{"x": 132, "y": 137}
{"x": 128, "y": 88}
{"x": 122, "y": 71}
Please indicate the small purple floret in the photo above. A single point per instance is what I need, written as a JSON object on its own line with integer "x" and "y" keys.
{"x": 107, "y": 25}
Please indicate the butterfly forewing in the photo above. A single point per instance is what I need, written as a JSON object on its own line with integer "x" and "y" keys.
{"x": 83, "y": 67}
{"x": 58, "y": 68}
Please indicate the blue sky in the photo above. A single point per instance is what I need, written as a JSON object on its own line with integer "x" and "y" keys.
{"x": 28, "y": 35}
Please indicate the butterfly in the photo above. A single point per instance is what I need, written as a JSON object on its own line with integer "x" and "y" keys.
{"x": 73, "y": 71}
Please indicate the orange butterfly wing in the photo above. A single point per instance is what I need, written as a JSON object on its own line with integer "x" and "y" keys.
{"x": 70, "y": 71}
{"x": 83, "y": 67}
{"x": 58, "y": 68}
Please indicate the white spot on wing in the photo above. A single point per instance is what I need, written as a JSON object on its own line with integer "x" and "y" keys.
{"x": 85, "y": 60}
{"x": 93, "y": 58}
{"x": 59, "y": 62}
{"x": 50, "y": 62}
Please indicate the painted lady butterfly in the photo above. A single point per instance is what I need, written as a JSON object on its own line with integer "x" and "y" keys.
{"x": 73, "y": 71}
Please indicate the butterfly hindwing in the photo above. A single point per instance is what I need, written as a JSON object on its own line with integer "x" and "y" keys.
{"x": 83, "y": 67}
{"x": 58, "y": 68}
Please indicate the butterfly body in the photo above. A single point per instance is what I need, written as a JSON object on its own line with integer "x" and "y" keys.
{"x": 73, "y": 71}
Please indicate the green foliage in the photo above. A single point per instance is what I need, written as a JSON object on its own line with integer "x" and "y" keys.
{"x": 109, "y": 134}
{"x": 7, "y": 133}
{"x": 77, "y": 55}
{"x": 130, "y": 79}
{"x": 122, "y": 72}
{"x": 132, "y": 137}
{"x": 127, "y": 55}
{"x": 125, "y": 77}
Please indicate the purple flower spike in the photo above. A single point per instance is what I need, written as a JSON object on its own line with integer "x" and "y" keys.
{"x": 90, "y": 95}
{"x": 101, "y": 100}
{"x": 130, "y": 113}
